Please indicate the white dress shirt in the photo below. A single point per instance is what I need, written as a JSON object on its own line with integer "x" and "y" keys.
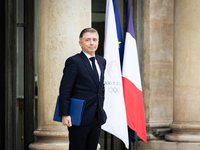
{"x": 96, "y": 63}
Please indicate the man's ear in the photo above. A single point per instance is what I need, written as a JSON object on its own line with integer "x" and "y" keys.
{"x": 80, "y": 43}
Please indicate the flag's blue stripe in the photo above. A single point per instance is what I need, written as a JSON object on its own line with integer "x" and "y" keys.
{"x": 119, "y": 32}
{"x": 132, "y": 136}
{"x": 129, "y": 20}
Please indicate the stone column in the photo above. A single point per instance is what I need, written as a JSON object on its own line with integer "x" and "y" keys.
{"x": 60, "y": 22}
{"x": 158, "y": 64}
{"x": 186, "y": 122}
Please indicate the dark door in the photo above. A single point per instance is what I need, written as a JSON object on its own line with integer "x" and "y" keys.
{"x": 18, "y": 68}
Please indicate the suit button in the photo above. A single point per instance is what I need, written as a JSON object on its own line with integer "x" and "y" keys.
{"x": 95, "y": 104}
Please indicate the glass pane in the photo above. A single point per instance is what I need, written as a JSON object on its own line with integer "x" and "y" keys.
{"x": 20, "y": 75}
{"x": 36, "y": 48}
{"x": 20, "y": 62}
{"x": 20, "y": 11}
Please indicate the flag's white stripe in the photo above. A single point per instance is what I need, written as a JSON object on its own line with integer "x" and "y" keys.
{"x": 114, "y": 106}
{"x": 131, "y": 64}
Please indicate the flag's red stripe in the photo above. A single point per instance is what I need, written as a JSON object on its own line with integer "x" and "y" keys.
{"x": 134, "y": 108}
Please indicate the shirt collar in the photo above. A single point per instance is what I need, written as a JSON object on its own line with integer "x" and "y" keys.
{"x": 87, "y": 55}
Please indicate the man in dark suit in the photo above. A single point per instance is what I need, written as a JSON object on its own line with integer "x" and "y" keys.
{"x": 83, "y": 78}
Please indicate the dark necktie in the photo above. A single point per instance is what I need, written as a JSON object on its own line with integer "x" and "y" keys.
{"x": 95, "y": 73}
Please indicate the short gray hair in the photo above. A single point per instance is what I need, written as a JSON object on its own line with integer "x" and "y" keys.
{"x": 92, "y": 30}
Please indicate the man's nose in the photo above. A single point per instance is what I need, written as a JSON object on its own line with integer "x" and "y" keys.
{"x": 91, "y": 42}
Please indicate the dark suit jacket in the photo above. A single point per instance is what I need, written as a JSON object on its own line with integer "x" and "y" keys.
{"x": 77, "y": 82}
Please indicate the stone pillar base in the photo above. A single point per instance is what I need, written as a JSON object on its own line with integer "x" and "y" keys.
{"x": 52, "y": 146}
{"x": 183, "y": 132}
{"x": 49, "y": 146}
{"x": 165, "y": 145}
{"x": 52, "y": 140}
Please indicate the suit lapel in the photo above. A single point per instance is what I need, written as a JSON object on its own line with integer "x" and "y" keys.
{"x": 101, "y": 68}
{"x": 88, "y": 66}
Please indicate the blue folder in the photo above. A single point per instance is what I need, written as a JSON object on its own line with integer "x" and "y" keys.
{"x": 76, "y": 111}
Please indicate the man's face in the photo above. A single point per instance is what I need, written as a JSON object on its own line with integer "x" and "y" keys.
{"x": 89, "y": 43}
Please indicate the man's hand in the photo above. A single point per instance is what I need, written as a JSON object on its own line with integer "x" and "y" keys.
{"x": 66, "y": 120}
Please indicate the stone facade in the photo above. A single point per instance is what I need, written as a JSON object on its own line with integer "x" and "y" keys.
{"x": 170, "y": 69}
{"x": 171, "y": 89}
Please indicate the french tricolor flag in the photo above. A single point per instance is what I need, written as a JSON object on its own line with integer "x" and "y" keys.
{"x": 132, "y": 81}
